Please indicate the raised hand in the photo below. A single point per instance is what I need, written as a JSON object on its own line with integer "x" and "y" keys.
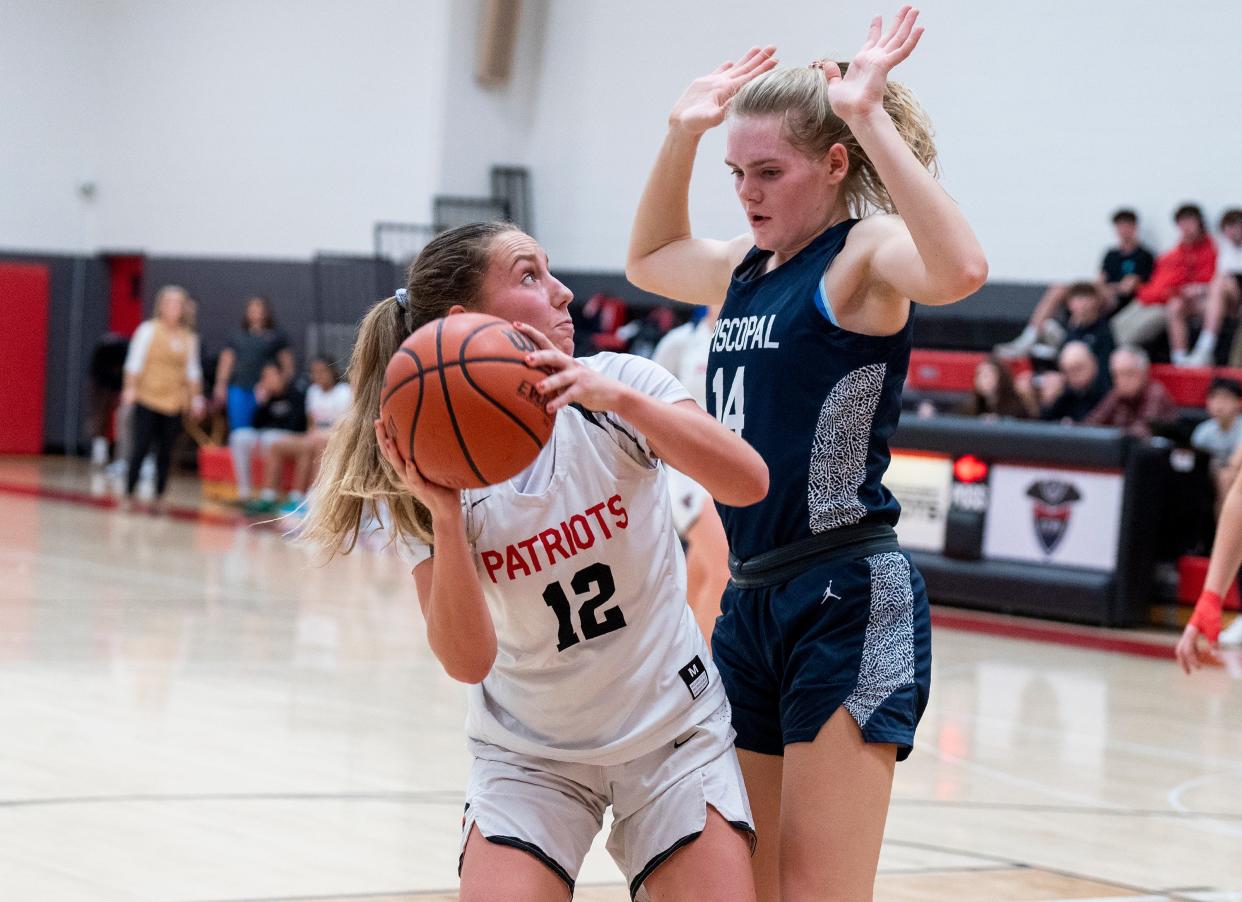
{"x": 568, "y": 381}
{"x": 704, "y": 104}
{"x": 861, "y": 90}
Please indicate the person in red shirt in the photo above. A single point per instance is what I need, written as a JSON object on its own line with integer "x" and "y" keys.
{"x": 1181, "y": 276}
{"x": 1136, "y": 401}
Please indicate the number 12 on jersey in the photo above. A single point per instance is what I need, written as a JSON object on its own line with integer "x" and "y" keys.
{"x": 731, "y": 410}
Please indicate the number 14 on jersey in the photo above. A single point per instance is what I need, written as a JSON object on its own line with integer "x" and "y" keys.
{"x": 731, "y": 410}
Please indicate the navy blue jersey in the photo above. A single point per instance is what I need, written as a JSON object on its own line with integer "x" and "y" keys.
{"x": 818, "y": 403}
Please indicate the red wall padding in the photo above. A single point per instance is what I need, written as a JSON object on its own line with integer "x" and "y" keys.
{"x": 24, "y": 298}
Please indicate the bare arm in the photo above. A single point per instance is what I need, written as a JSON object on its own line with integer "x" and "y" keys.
{"x": 935, "y": 258}
{"x": 682, "y": 434}
{"x": 224, "y": 371}
{"x": 284, "y": 358}
{"x": 1227, "y": 551}
{"x": 664, "y": 257}
{"x": 459, "y": 626}
{"x": 1196, "y": 646}
{"x": 689, "y": 439}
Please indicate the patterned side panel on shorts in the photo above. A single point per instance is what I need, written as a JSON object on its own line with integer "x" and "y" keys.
{"x": 839, "y": 450}
{"x": 888, "y": 649}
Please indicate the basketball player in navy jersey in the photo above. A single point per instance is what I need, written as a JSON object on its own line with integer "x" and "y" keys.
{"x": 824, "y": 640}
{"x": 560, "y": 596}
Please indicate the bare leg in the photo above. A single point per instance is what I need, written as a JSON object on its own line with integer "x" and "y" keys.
{"x": 277, "y": 453}
{"x": 834, "y": 857}
{"x": 496, "y": 873}
{"x": 313, "y": 445}
{"x": 1222, "y": 293}
{"x": 1178, "y": 312}
{"x": 714, "y": 866}
{"x": 763, "y": 774}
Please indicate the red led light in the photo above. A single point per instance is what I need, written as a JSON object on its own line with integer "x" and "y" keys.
{"x": 970, "y": 469}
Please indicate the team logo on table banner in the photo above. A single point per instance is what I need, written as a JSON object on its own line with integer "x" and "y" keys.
{"x": 1054, "y": 505}
{"x": 1053, "y": 516}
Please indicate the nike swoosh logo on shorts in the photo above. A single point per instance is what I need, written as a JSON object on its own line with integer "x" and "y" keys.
{"x": 678, "y": 745}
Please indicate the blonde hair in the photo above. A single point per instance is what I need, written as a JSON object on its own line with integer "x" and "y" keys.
{"x": 163, "y": 295}
{"x": 801, "y": 97}
{"x": 354, "y": 479}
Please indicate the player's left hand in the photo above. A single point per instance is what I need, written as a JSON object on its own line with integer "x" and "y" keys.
{"x": 860, "y": 91}
{"x": 568, "y": 381}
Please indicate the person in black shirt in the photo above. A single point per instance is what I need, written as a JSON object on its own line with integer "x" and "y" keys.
{"x": 241, "y": 362}
{"x": 1088, "y": 323}
{"x": 280, "y": 411}
{"x": 1073, "y": 390}
{"x": 1124, "y": 269}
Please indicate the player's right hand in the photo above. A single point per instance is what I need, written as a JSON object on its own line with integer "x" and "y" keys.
{"x": 438, "y": 499}
{"x": 704, "y": 104}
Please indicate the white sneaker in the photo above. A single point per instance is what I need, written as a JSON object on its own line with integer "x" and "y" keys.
{"x": 1197, "y": 357}
{"x": 1019, "y": 347}
{"x": 1232, "y": 635}
{"x": 99, "y": 451}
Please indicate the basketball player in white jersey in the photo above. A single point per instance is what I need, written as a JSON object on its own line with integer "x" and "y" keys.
{"x": 559, "y": 596}
{"x": 683, "y": 352}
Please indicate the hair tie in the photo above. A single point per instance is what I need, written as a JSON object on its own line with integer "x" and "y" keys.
{"x": 403, "y": 298}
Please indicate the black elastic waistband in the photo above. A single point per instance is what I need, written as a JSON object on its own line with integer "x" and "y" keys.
{"x": 783, "y": 564}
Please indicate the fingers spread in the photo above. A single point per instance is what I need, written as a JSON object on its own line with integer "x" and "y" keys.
{"x": 873, "y": 33}
{"x": 554, "y": 359}
{"x": 907, "y": 48}
{"x": 904, "y": 27}
{"x": 540, "y": 340}
{"x": 898, "y": 21}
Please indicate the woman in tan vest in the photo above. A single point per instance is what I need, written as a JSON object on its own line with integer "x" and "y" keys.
{"x": 163, "y": 377}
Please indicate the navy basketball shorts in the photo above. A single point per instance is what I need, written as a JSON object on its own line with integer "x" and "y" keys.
{"x": 844, "y": 632}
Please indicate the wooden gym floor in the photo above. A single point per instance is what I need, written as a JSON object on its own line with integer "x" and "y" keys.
{"x": 192, "y": 711}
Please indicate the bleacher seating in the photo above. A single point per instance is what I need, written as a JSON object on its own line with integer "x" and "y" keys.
{"x": 953, "y": 372}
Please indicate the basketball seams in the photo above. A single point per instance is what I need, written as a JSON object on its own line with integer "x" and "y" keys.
{"x": 480, "y": 438}
{"x": 465, "y": 371}
{"x": 448, "y": 404}
{"x": 418, "y": 405}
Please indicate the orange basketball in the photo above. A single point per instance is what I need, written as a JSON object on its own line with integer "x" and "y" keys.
{"x": 460, "y": 401}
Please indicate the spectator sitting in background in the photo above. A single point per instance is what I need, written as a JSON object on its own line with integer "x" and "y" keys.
{"x": 1087, "y": 324}
{"x": 241, "y": 362}
{"x": 994, "y": 394}
{"x": 1136, "y": 402}
{"x": 1123, "y": 270}
{"x": 1181, "y": 275}
{"x": 1075, "y": 389}
{"x": 1223, "y": 294}
{"x": 1216, "y": 302}
{"x": 327, "y": 401}
{"x": 1221, "y": 434}
{"x": 280, "y": 412}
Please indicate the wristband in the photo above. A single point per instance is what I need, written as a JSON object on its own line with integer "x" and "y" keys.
{"x": 1206, "y": 618}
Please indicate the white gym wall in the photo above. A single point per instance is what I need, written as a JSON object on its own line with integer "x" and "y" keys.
{"x": 274, "y": 128}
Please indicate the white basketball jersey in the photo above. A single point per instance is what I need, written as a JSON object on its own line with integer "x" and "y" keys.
{"x": 599, "y": 659}
{"x": 683, "y": 352}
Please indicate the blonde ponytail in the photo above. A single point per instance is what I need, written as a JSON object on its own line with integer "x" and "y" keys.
{"x": 355, "y": 481}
